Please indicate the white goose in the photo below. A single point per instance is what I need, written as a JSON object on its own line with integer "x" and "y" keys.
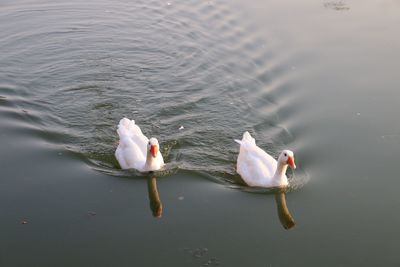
{"x": 257, "y": 168}
{"x": 135, "y": 150}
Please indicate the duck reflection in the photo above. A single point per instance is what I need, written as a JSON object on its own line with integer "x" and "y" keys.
{"x": 154, "y": 196}
{"x": 284, "y": 215}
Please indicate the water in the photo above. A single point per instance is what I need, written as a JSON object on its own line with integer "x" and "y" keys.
{"x": 319, "y": 78}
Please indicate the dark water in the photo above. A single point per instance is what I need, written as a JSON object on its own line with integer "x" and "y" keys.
{"x": 319, "y": 78}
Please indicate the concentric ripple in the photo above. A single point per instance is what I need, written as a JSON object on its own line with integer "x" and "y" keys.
{"x": 196, "y": 64}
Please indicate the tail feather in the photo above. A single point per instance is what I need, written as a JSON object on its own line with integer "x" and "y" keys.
{"x": 128, "y": 127}
{"x": 130, "y": 134}
{"x": 247, "y": 137}
{"x": 123, "y": 127}
{"x": 238, "y": 141}
{"x": 125, "y": 122}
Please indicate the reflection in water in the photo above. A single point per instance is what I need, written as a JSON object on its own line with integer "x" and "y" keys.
{"x": 284, "y": 215}
{"x": 155, "y": 201}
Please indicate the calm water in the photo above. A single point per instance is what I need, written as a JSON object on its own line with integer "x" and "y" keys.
{"x": 317, "y": 77}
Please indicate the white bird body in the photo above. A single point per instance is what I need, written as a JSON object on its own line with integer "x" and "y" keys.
{"x": 258, "y": 168}
{"x": 135, "y": 150}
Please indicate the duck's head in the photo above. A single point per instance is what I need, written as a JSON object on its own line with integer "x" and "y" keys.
{"x": 287, "y": 157}
{"x": 153, "y": 147}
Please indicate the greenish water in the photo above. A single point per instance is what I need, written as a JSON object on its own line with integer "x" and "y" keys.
{"x": 319, "y": 78}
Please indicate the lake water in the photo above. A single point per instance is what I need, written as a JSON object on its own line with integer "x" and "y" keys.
{"x": 318, "y": 77}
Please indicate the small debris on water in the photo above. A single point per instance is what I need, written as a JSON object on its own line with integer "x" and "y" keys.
{"x": 92, "y": 213}
{"x": 169, "y": 3}
{"x": 212, "y": 262}
{"x": 24, "y": 222}
{"x": 337, "y": 5}
{"x": 358, "y": 113}
{"x": 181, "y": 198}
{"x": 200, "y": 252}
{"x": 181, "y": 128}
{"x": 202, "y": 256}
{"x": 394, "y": 138}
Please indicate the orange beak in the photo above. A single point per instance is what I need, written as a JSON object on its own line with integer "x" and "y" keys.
{"x": 154, "y": 150}
{"x": 291, "y": 163}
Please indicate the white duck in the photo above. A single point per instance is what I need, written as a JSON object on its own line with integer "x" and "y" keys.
{"x": 257, "y": 168}
{"x": 135, "y": 150}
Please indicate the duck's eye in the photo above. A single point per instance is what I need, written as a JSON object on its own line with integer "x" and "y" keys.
{"x": 285, "y": 154}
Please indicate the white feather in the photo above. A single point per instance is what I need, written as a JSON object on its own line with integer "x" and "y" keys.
{"x": 256, "y": 167}
{"x": 132, "y": 149}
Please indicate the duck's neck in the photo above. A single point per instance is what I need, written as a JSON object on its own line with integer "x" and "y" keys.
{"x": 280, "y": 173}
{"x": 150, "y": 161}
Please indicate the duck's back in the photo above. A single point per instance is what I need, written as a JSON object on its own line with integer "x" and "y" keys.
{"x": 132, "y": 148}
{"x": 255, "y": 166}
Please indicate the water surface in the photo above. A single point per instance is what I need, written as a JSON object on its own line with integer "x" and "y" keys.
{"x": 319, "y": 78}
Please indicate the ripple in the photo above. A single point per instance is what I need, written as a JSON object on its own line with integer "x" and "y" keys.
{"x": 196, "y": 64}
